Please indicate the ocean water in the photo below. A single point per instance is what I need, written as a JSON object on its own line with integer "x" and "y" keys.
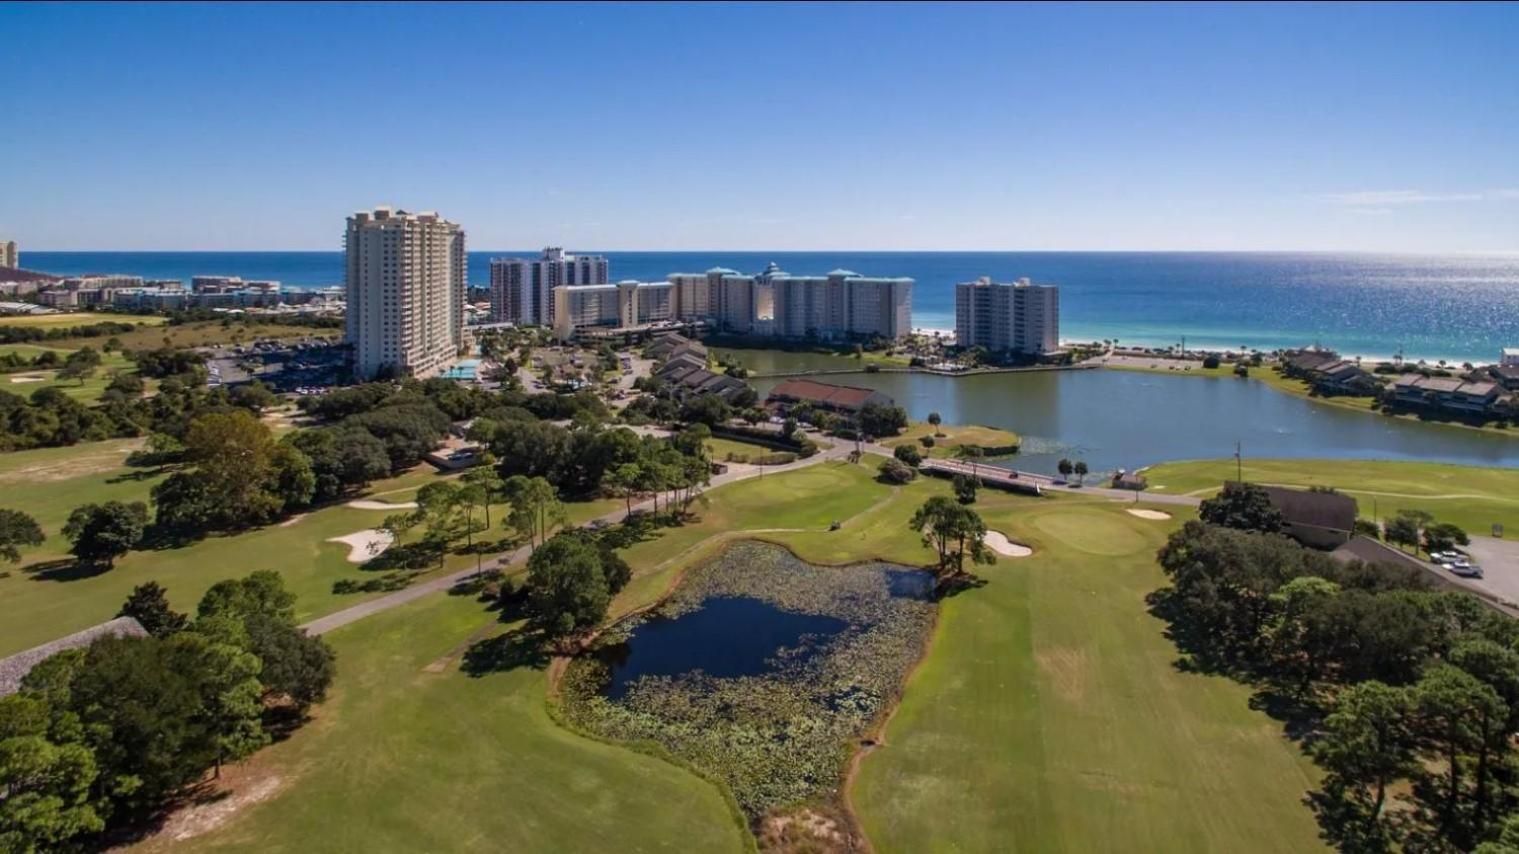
{"x": 1457, "y": 308}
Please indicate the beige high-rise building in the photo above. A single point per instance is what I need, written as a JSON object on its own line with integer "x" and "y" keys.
{"x": 406, "y": 291}
{"x": 10, "y": 255}
{"x": 1021, "y": 317}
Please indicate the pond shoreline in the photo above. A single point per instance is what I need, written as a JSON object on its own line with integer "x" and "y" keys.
{"x": 832, "y": 807}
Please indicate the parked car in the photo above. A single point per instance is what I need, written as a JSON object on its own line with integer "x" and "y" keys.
{"x": 1445, "y": 557}
{"x": 1466, "y": 569}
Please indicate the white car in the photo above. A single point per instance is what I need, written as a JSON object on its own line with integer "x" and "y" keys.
{"x": 1445, "y": 557}
{"x": 1466, "y": 569}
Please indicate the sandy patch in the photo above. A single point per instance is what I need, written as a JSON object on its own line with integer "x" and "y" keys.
{"x": 28, "y": 379}
{"x": 365, "y": 544}
{"x": 1149, "y": 514}
{"x": 292, "y": 520}
{"x": 999, "y": 543}
{"x": 193, "y": 821}
{"x": 365, "y": 504}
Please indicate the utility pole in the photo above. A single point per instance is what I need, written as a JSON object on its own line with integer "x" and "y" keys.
{"x": 1239, "y": 464}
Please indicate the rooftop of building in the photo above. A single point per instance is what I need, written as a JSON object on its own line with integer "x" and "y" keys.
{"x": 14, "y": 668}
{"x": 852, "y": 397}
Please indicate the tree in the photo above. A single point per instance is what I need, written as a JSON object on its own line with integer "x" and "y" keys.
{"x": 969, "y": 453}
{"x": 488, "y": 480}
{"x": 342, "y": 459}
{"x": 965, "y": 489}
{"x": 254, "y": 397}
{"x": 953, "y": 531}
{"x": 908, "y": 454}
{"x": 1497, "y": 667}
{"x": 1455, "y": 715}
{"x": 1064, "y": 467}
{"x": 1367, "y": 745}
{"x": 535, "y": 508}
{"x": 935, "y": 421}
{"x": 101, "y": 533}
{"x": 1303, "y": 642}
{"x": 292, "y": 663}
{"x": 880, "y": 419}
{"x": 1402, "y": 530}
{"x": 46, "y": 775}
{"x": 1444, "y": 536}
{"x": 571, "y": 582}
{"x": 80, "y": 365}
{"x": 1244, "y": 506}
{"x": 148, "y": 604}
{"x": 1081, "y": 472}
{"x": 896, "y": 472}
{"x": 625, "y": 480}
{"x": 17, "y": 529}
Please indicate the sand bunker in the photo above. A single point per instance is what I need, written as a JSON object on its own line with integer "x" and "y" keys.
{"x": 365, "y": 544}
{"x": 364, "y": 504}
{"x": 999, "y": 543}
{"x": 28, "y": 379}
{"x": 1149, "y": 514}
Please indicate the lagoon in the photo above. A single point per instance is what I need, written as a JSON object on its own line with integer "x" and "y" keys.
{"x": 1126, "y": 419}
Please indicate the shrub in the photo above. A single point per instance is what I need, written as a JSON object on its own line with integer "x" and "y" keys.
{"x": 896, "y": 472}
{"x": 1210, "y": 362}
{"x": 908, "y": 454}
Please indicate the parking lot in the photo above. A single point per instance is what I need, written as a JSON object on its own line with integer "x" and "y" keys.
{"x": 1499, "y": 560}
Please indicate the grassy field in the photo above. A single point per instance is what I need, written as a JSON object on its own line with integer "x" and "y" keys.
{"x": 24, "y": 382}
{"x": 718, "y": 448}
{"x": 1047, "y": 715}
{"x": 1469, "y": 496}
{"x": 950, "y": 436}
{"x": 77, "y": 318}
{"x": 47, "y": 597}
{"x": 410, "y": 754}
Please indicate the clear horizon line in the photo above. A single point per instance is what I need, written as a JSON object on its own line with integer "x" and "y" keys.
{"x": 1404, "y": 252}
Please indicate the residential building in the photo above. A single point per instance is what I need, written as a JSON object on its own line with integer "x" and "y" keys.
{"x": 1328, "y": 373}
{"x": 13, "y": 669}
{"x": 672, "y": 344}
{"x": 848, "y": 400}
{"x": 839, "y": 305}
{"x": 405, "y": 291}
{"x": 625, "y": 305}
{"x": 1509, "y": 358}
{"x": 690, "y": 377}
{"x": 10, "y": 254}
{"x": 229, "y": 284}
{"x": 522, "y": 289}
{"x": 1021, "y": 317}
{"x": 1322, "y": 520}
{"x": 1448, "y": 393}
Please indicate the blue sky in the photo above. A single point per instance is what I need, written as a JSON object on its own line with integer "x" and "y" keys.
{"x": 1384, "y": 128}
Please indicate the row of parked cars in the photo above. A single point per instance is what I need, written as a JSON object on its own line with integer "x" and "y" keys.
{"x": 1458, "y": 564}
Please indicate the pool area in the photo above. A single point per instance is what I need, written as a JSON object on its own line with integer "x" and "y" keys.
{"x": 465, "y": 369}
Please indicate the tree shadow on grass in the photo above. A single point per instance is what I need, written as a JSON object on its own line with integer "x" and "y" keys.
{"x": 66, "y": 570}
{"x": 509, "y": 651}
{"x": 138, "y": 475}
{"x": 959, "y": 583}
{"x": 1301, "y": 717}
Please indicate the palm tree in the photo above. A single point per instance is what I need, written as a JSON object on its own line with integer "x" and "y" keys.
{"x": 970, "y": 453}
{"x": 1064, "y": 467}
{"x": 1081, "y": 472}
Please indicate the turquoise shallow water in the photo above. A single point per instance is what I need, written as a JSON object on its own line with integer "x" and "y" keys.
{"x": 1451, "y": 307}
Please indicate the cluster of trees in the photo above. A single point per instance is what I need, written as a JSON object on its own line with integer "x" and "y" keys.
{"x": 955, "y": 533}
{"x": 1417, "y": 528}
{"x": 29, "y": 334}
{"x": 1421, "y": 687}
{"x": 102, "y": 737}
{"x": 571, "y": 581}
{"x": 237, "y": 477}
{"x": 1068, "y": 468}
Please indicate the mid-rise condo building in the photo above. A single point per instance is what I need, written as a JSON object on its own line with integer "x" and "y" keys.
{"x": 10, "y": 254}
{"x": 625, "y": 305}
{"x": 406, "y": 291}
{"x": 1021, "y": 317}
{"x": 840, "y": 304}
{"x": 522, "y": 288}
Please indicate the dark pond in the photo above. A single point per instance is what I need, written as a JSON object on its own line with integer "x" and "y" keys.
{"x": 731, "y": 636}
{"x": 728, "y": 636}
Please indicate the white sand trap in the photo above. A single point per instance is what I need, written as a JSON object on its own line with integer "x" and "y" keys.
{"x": 999, "y": 543}
{"x": 365, "y": 504}
{"x": 28, "y": 379}
{"x": 1149, "y": 514}
{"x": 365, "y": 544}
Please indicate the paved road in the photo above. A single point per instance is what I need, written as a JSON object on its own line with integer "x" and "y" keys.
{"x": 735, "y": 473}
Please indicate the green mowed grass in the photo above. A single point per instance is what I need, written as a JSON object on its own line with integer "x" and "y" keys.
{"x": 1469, "y": 496}
{"x": 1048, "y": 714}
{"x": 408, "y": 757}
{"x": 26, "y": 381}
{"x": 78, "y": 318}
{"x": 718, "y": 448}
{"x": 948, "y": 436}
{"x": 47, "y": 597}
